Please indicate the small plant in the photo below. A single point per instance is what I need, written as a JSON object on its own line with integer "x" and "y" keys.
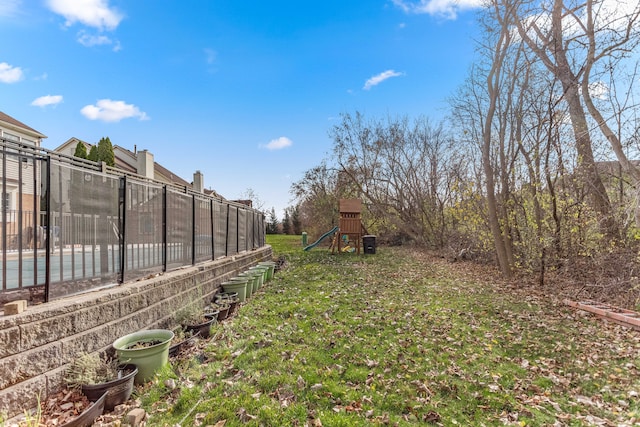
{"x": 31, "y": 419}
{"x": 190, "y": 315}
{"x": 91, "y": 369}
{"x": 180, "y": 334}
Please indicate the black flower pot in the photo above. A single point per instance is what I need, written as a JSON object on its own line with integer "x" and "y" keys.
{"x": 118, "y": 390}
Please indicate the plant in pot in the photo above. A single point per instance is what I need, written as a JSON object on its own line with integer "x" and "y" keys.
{"x": 182, "y": 339}
{"x": 147, "y": 349}
{"x": 194, "y": 318}
{"x": 230, "y": 298}
{"x": 219, "y": 309}
{"x": 96, "y": 375}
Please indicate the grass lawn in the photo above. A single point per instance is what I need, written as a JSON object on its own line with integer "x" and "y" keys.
{"x": 400, "y": 338}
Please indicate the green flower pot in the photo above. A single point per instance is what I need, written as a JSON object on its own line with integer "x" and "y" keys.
{"x": 255, "y": 279}
{"x": 262, "y": 271}
{"x": 148, "y": 350}
{"x": 240, "y": 287}
{"x": 247, "y": 280}
{"x": 272, "y": 269}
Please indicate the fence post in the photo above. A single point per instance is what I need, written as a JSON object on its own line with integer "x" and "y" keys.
{"x": 5, "y": 208}
{"x": 193, "y": 229}
{"x": 246, "y": 230}
{"x": 226, "y": 243}
{"x": 49, "y": 233}
{"x": 123, "y": 224}
{"x": 237, "y": 229}
{"x": 213, "y": 240}
{"x": 21, "y": 221}
{"x": 164, "y": 228}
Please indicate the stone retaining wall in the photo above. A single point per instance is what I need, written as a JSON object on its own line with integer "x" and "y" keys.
{"x": 37, "y": 345}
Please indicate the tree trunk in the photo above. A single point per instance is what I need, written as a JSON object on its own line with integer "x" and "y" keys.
{"x": 493, "y": 78}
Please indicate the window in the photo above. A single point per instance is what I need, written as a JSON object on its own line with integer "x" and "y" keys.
{"x": 6, "y": 202}
{"x": 10, "y": 136}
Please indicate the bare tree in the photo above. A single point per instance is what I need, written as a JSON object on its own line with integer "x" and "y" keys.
{"x": 400, "y": 169}
{"x": 256, "y": 202}
{"x": 317, "y": 195}
{"x": 490, "y": 111}
{"x": 576, "y": 40}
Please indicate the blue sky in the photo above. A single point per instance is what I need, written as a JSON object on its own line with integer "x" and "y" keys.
{"x": 245, "y": 92}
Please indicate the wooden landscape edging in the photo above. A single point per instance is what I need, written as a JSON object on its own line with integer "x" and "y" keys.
{"x": 628, "y": 318}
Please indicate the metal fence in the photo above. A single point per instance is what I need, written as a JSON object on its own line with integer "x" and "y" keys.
{"x": 70, "y": 225}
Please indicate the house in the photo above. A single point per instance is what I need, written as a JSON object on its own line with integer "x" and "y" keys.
{"x": 14, "y": 130}
{"x": 142, "y": 163}
{"x": 20, "y": 179}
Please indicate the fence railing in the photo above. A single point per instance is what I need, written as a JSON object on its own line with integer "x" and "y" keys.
{"x": 71, "y": 225}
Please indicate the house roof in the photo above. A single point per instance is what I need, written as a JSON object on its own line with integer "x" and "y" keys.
{"x": 19, "y": 125}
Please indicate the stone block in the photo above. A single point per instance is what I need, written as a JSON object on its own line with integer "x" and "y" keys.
{"x": 132, "y": 304}
{"x": 10, "y": 339}
{"x": 135, "y": 417}
{"x": 88, "y": 342}
{"x": 88, "y": 318}
{"x": 49, "y": 330}
{"x": 29, "y": 364}
{"x": 15, "y": 307}
{"x": 24, "y": 396}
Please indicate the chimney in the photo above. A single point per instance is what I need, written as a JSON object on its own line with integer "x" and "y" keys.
{"x": 198, "y": 182}
{"x": 145, "y": 164}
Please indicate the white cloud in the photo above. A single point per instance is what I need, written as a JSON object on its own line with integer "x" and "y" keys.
{"x": 445, "y": 8}
{"x": 43, "y": 101}
{"x": 89, "y": 40}
{"x": 376, "y": 80}
{"x": 112, "y": 111}
{"x": 599, "y": 90}
{"x": 92, "y": 13}
{"x": 10, "y": 74}
{"x": 279, "y": 144}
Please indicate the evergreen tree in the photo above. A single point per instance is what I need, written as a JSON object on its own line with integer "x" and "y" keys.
{"x": 81, "y": 150}
{"x": 105, "y": 152}
{"x": 286, "y": 223}
{"x": 296, "y": 224}
{"x": 93, "y": 154}
{"x": 272, "y": 222}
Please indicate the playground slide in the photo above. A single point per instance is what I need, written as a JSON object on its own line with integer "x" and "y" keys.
{"x": 324, "y": 236}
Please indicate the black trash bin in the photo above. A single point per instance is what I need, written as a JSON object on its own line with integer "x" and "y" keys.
{"x": 369, "y": 244}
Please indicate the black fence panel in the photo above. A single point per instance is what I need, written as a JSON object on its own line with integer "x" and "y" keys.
{"x": 22, "y": 236}
{"x": 232, "y": 230}
{"x": 179, "y": 229}
{"x": 203, "y": 229}
{"x": 70, "y": 225}
{"x": 144, "y": 230}
{"x": 220, "y": 229}
{"x": 84, "y": 241}
{"x": 242, "y": 230}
